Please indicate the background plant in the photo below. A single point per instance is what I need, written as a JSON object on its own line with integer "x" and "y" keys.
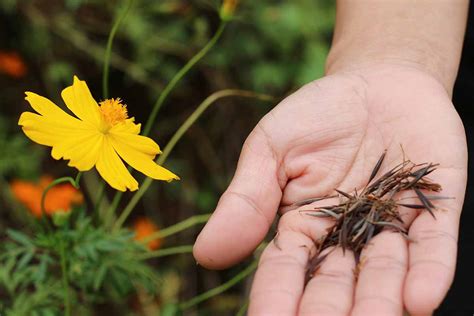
{"x": 269, "y": 47}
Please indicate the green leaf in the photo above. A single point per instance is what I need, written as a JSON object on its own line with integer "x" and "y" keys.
{"x": 40, "y": 273}
{"x": 100, "y": 276}
{"x": 25, "y": 259}
{"x": 20, "y": 237}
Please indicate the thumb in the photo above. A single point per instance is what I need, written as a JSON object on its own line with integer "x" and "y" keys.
{"x": 246, "y": 209}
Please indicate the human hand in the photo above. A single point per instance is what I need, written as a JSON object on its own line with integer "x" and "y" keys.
{"x": 329, "y": 135}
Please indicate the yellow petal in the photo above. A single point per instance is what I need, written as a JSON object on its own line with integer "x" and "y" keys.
{"x": 128, "y": 127}
{"x": 81, "y": 151}
{"x": 79, "y": 100}
{"x": 141, "y": 161}
{"x": 139, "y": 143}
{"x": 49, "y": 110}
{"x": 49, "y": 132}
{"x": 112, "y": 169}
{"x": 76, "y": 143}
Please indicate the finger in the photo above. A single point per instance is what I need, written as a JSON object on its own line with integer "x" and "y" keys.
{"x": 279, "y": 280}
{"x": 245, "y": 211}
{"x": 330, "y": 291}
{"x": 433, "y": 250}
{"x": 382, "y": 271}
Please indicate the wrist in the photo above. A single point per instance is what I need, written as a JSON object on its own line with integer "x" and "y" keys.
{"x": 426, "y": 36}
{"x": 349, "y": 55}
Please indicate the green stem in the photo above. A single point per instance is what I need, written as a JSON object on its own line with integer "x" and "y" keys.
{"x": 73, "y": 182}
{"x": 177, "y": 78}
{"x": 200, "y": 110}
{"x": 77, "y": 180}
{"x": 178, "y": 227}
{"x": 67, "y": 301}
{"x": 105, "y": 80}
{"x": 108, "y": 50}
{"x": 221, "y": 288}
{"x": 243, "y": 309}
{"x": 166, "y": 252}
{"x": 178, "y": 135}
{"x": 100, "y": 195}
{"x": 109, "y": 215}
{"x": 158, "y": 104}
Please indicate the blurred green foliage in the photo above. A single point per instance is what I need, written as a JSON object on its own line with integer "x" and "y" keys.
{"x": 272, "y": 46}
{"x": 103, "y": 267}
{"x": 18, "y": 157}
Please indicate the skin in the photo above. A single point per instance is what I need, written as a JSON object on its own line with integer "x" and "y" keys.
{"x": 385, "y": 87}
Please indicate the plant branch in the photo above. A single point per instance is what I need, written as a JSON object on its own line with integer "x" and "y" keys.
{"x": 108, "y": 50}
{"x": 67, "y": 301}
{"x": 166, "y": 252}
{"x": 178, "y": 227}
{"x": 109, "y": 215}
{"x": 73, "y": 182}
{"x": 177, "y": 78}
{"x": 221, "y": 288}
{"x": 158, "y": 104}
{"x": 105, "y": 81}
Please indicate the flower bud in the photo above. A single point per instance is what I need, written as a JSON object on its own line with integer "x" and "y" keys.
{"x": 227, "y": 9}
{"x": 61, "y": 217}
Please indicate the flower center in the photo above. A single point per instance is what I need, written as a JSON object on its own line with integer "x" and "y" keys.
{"x": 113, "y": 111}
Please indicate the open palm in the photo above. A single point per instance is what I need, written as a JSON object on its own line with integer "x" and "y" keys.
{"x": 329, "y": 135}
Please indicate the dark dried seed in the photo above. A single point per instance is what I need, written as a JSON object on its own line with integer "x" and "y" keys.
{"x": 414, "y": 206}
{"x": 428, "y": 205}
{"x": 370, "y": 233}
{"x": 347, "y": 195}
{"x": 311, "y": 200}
{"x": 377, "y": 166}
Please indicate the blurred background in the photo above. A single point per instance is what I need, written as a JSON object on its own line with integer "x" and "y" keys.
{"x": 271, "y": 47}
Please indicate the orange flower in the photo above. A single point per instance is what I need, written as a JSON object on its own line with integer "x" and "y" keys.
{"x": 143, "y": 228}
{"x": 60, "y": 198}
{"x": 12, "y": 64}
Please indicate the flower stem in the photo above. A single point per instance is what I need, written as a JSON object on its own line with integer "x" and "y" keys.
{"x": 99, "y": 196}
{"x": 243, "y": 309}
{"x": 221, "y": 288}
{"x": 105, "y": 80}
{"x": 177, "y": 78}
{"x": 158, "y": 104}
{"x": 200, "y": 110}
{"x": 176, "y": 228}
{"x": 108, "y": 50}
{"x": 77, "y": 180}
{"x": 109, "y": 215}
{"x": 67, "y": 301}
{"x": 178, "y": 135}
{"x": 73, "y": 182}
{"x": 166, "y": 252}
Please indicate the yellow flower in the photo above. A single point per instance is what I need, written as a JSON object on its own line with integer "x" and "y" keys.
{"x": 99, "y": 136}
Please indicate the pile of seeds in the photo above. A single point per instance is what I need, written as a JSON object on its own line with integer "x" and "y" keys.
{"x": 361, "y": 216}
